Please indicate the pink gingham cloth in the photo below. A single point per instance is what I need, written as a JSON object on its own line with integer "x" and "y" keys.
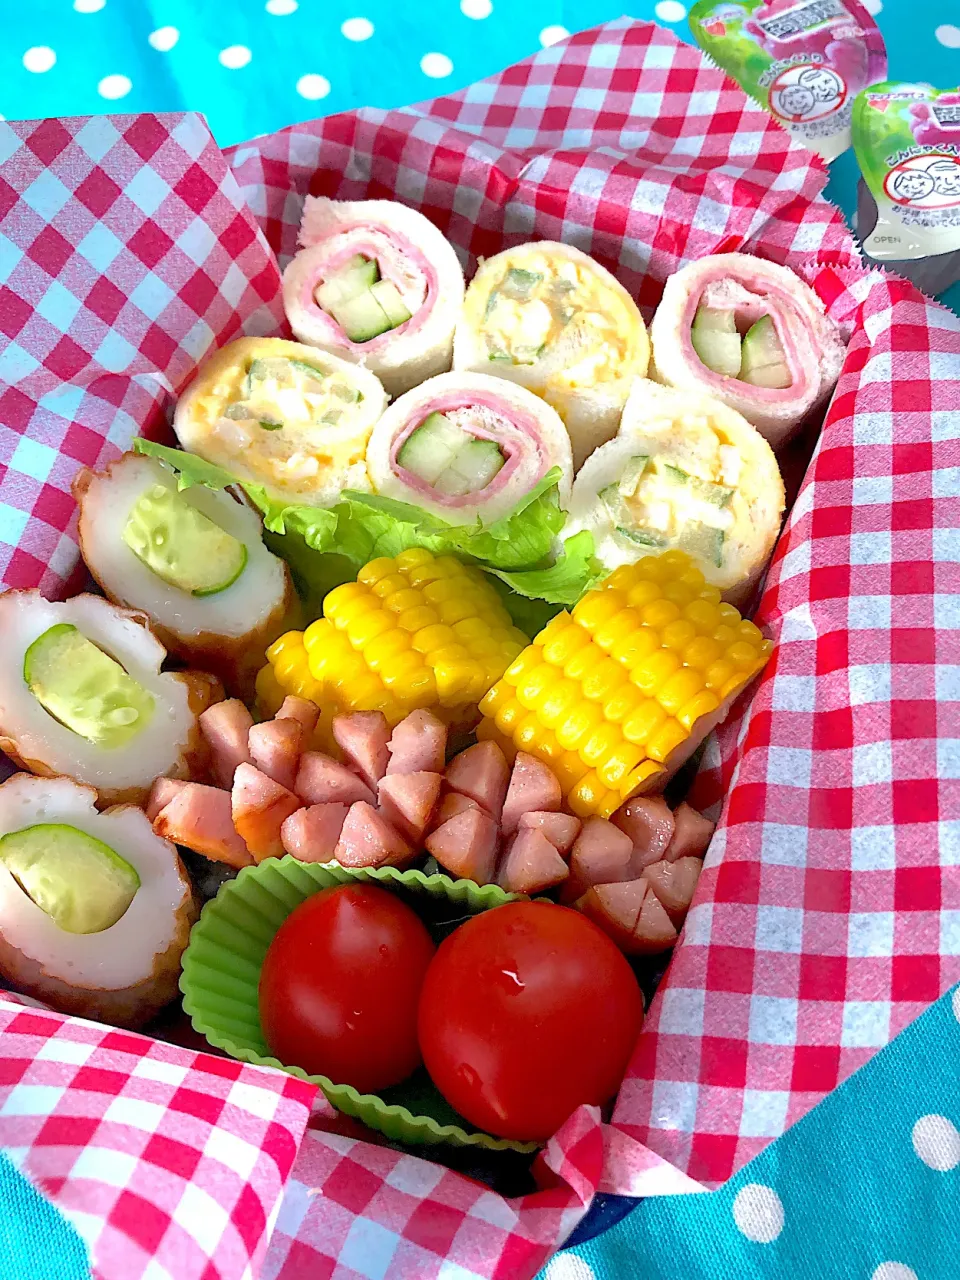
{"x": 826, "y": 916}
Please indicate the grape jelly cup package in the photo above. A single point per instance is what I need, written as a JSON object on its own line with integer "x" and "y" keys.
{"x": 907, "y": 142}
{"x": 804, "y": 62}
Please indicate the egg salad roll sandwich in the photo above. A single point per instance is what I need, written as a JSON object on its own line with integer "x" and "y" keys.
{"x": 95, "y": 909}
{"x": 82, "y": 695}
{"x": 751, "y": 333}
{"x": 377, "y": 283}
{"x": 289, "y": 418}
{"x": 549, "y": 317}
{"x": 684, "y": 472}
{"x": 192, "y": 560}
{"x": 467, "y": 447}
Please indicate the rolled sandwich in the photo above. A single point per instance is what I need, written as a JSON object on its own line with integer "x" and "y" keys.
{"x": 193, "y": 561}
{"x": 549, "y": 317}
{"x": 82, "y": 695}
{"x": 95, "y": 909}
{"x": 685, "y": 472}
{"x": 752, "y": 334}
{"x": 375, "y": 282}
{"x": 290, "y": 418}
{"x": 467, "y": 447}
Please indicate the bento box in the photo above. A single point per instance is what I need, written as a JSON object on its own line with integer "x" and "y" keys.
{"x": 823, "y": 921}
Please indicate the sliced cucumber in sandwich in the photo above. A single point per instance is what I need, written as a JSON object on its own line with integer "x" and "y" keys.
{"x": 429, "y": 450}
{"x": 471, "y": 470}
{"x": 705, "y": 490}
{"x": 363, "y": 305}
{"x": 716, "y": 340}
{"x": 353, "y": 278}
{"x": 702, "y": 542}
{"x": 764, "y": 360}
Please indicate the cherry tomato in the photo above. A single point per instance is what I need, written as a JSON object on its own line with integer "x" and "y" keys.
{"x": 340, "y": 985}
{"x": 527, "y": 1012}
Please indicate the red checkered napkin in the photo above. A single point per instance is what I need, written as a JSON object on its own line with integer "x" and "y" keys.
{"x": 126, "y": 252}
{"x": 825, "y": 918}
{"x": 169, "y": 1163}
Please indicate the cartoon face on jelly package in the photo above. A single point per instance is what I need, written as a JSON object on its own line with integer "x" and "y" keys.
{"x": 946, "y": 178}
{"x": 822, "y": 83}
{"x": 911, "y": 184}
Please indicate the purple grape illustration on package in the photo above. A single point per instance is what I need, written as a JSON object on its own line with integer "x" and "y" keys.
{"x": 804, "y": 62}
{"x": 907, "y": 140}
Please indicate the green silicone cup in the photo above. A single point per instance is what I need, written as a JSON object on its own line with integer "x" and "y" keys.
{"x": 221, "y": 973}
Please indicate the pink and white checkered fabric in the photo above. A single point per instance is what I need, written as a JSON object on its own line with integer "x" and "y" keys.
{"x": 169, "y": 1163}
{"x": 826, "y": 916}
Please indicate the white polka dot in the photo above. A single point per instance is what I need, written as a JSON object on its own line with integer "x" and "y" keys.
{"x": 436, "y": 65}
{"x": 313, "y": 87}
{"x": 670, "y": 11}
{"x": 758, "y": 1213}
{"x": 476, "y": 8}
{"x": 567, "y": 1266}
{"x": 357, "y": 28}
{"x": 948, "y": 35}
{"x": 281, "y": 8}
{"x": 893, "y": 1271}
{"x": 39, "y": 58}
{"x": 550, "y": 35}
{"x": 88, "y": 6}
{"x": 234, "y": 56}
{"x": 163, "y": 39}
{"x": 114, "y": 87}
{"x": 956, "y": 1004}
{"x": 873, "y": 6}
{"x": 937, "y": 1142}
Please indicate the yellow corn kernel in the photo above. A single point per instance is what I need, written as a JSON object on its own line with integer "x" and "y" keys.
{"x": 418, "y": 618}
{"x": 719, "y": 673}
{"x": 531, "y": 736}
{"x": 367, "y": 626}
{"x": 609, "y": 804}
{"x": 436, "y": 636}
{"x": 702, "y": 704}
{"x": 603, "y": 679}
{"x": 621, "y": 579}
{"x": 733, "y": 686}
{"x": 751, "y": 633}
{"x": 709, "y": 593}
{"x": 618, "y": 764}
{"x": 390, "y": 585}
{"x": 725, "y": 635}
{"x": 659, "y": 613}
{"x": 643, "y": 593}
{"x": 598, "y": 607}
{"x": 509, "y": 715}
{"x": 414, "y": 557}
{"x": 400, "y": 601}
{"x": 600, "y": 744}
{"x": 588, "y": 795}
{"x": 729, "y": 615}
{"x": 636, "y": 648}
{"x": 561, "y": 646}
{"x": 642, "y": 724}
{"x": 678, "y": 593}
{"x": 638, "y": 778}
{"x": 701, "y": 653}
{"x": 533, "y": 685}
{"x": 343, "y": 599}
{"x": 561, "y": 699}
{"x": 617, "y": 629}
{"x": 577, "y": 723}
{"x": 654, "y": 671}
{"x": 523, "y": 663}
{"x": 314, "y": 634}
{"x": 743, "y": 654}
{"x": 496, "y": 697}
{"x": 385, "y": 648}
{"x": 678, "y": 635}
{"x": 622, "y": 703}
{"x": 569, "y": 769}
{"x": 679, "y": 689}
{"x": 583, "y": 661}
{"x": 473, "y": 631}
{"x": 702, "y": 614}
{"x": 666, "y": 739}
{"x": 374, "y": 570}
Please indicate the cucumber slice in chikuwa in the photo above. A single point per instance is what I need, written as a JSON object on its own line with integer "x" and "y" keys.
{"x": 471, "y": 470}
{"x": 764, "y": 362}
{"x": 353, "y": 278}
{"x": 430, "y": 449}
{"x": 82, "y": 884}
{"x": 702, "y": 541}
{"x": 716, "y": 340}
{"x": 84, "y": 688}
{"x": 361, "y": 318}
{"x": 181, "y": 545}
{"x": 388, "y": 295}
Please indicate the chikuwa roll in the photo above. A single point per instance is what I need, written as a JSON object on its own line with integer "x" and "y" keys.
{"x": 467, "y": 447}
{"x": 95, "y": 909}
{"x": 549, "y": 317}
{"x": 687, "y": 472}
{"x": 193, "y": 561}
{"x": 82, "y": 695}
{"x": 278, "y": 414}
{"x": 751, "y": 333}
{"x": 377, "y": 283}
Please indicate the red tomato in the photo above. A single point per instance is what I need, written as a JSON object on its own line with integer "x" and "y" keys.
{"x": 527, "y": 1012}
{"x": 340, "y": 985}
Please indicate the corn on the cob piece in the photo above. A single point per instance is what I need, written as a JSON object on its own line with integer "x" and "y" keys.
{"x": 617, "y": 695}
{"x": 415, "y": 631}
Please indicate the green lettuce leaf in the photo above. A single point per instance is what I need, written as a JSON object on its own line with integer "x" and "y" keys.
{"x": 564, "y": 582}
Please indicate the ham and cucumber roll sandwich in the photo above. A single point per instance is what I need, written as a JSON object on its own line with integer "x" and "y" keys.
{"x": 289, "y": 418}
{"x": 684, "y": 472}
{"x": 467, "y": 447}
{"x": 193, "y": 560}
{"x": 95, "y": 908}
{"x": 82, "y": 695}
{"x": 549, "y": 317}
{"x": 378, "y": 284}
{"x": 751, "y": 333}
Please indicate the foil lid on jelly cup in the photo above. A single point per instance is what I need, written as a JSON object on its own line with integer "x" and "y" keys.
{"x": 907, "y": 143}
{"x": 804, "y": 62}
